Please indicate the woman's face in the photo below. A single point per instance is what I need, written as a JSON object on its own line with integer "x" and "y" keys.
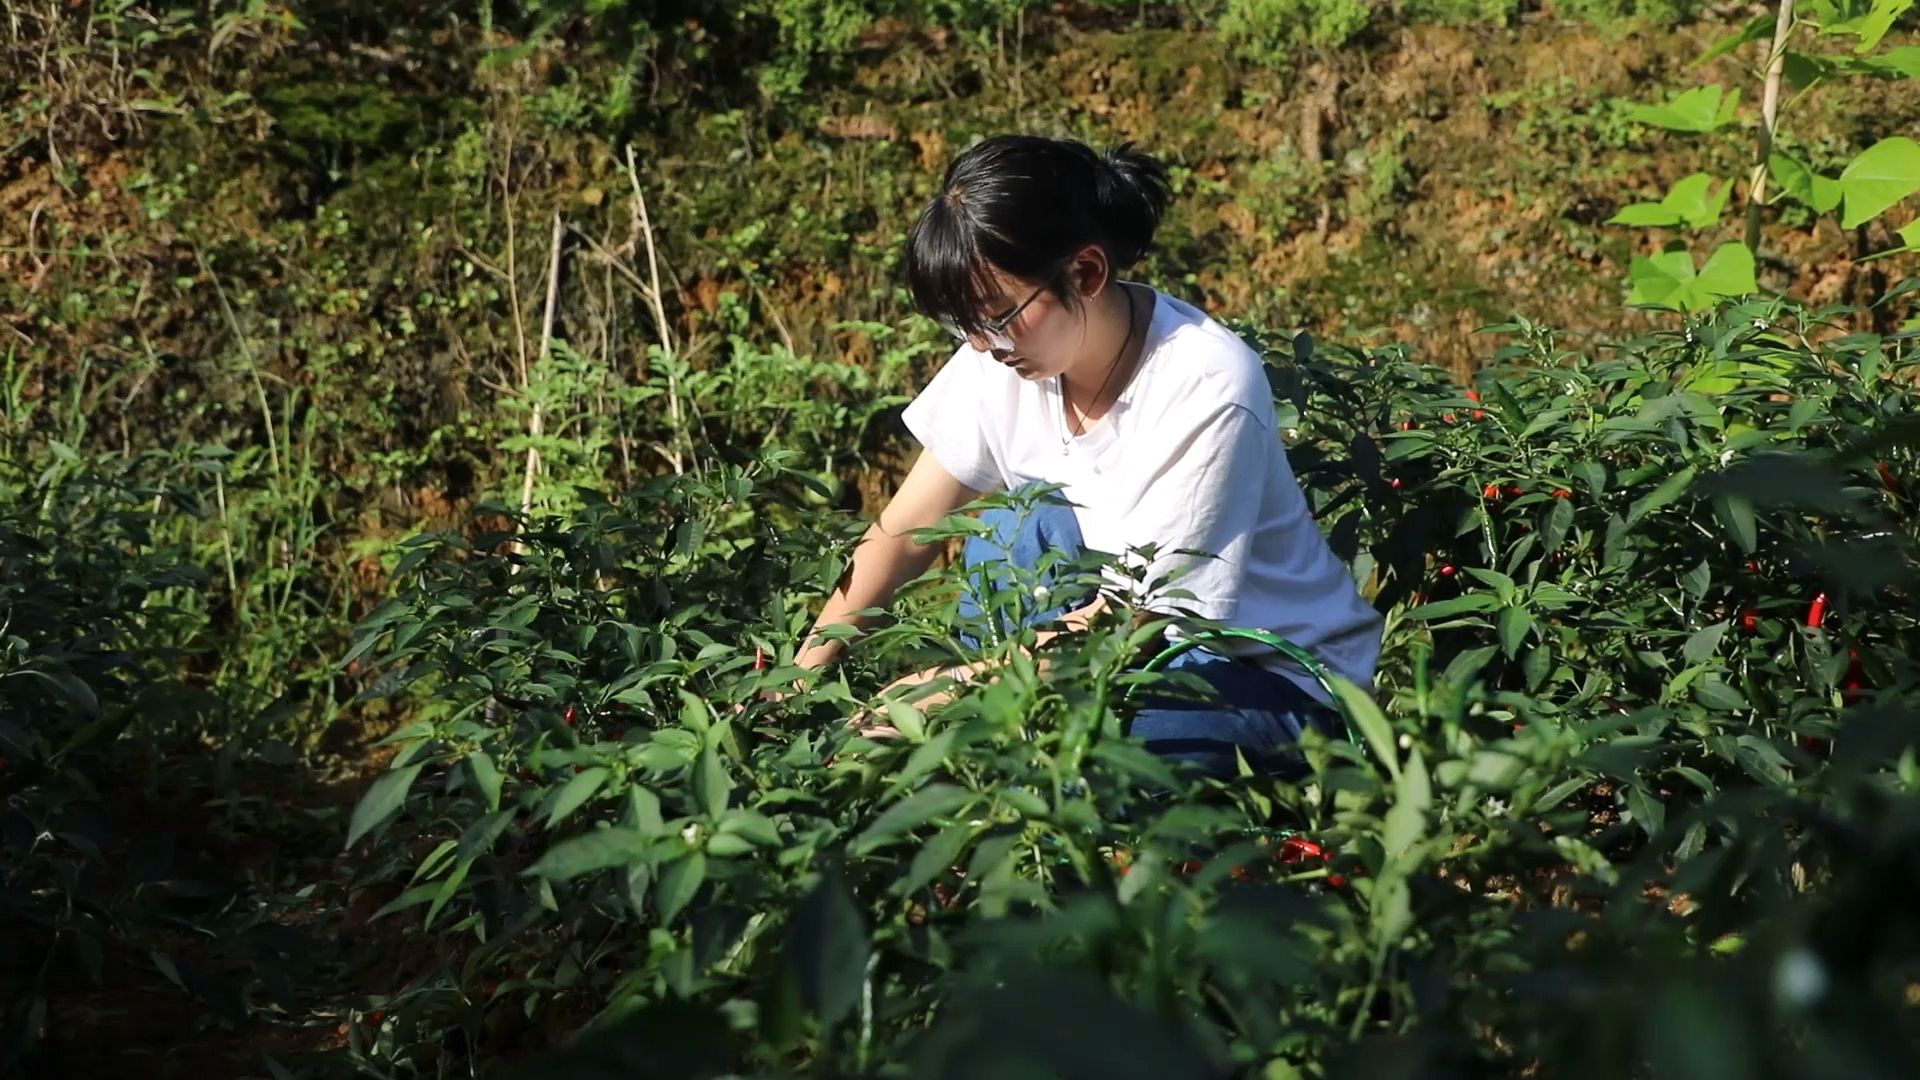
{"x": 1043, "y": 337}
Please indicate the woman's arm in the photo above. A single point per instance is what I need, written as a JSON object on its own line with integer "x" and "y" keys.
{"x": 1075, "y": 621}
{"x": 887, "y": 557}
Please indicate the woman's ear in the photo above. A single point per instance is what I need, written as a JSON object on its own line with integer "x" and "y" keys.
{"x": 1089, "y": 272}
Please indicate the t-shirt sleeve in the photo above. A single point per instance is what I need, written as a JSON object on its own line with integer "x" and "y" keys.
{"x": 1206, "y": 498}
{"x": 949, "y": 421}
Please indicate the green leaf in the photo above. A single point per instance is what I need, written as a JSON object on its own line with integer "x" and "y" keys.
{"x": 1667, "y": 492}
{"x": 678, "y": 882}
{"x": 937, "y": 857}
{"x": 1696, "y": 201}
{"x": 1821, "y": 193}
{"x": 1442, "y": 609}
{"x": 751, "y": 824}
{"x": 1900, "y": 63}
{"x": 1704, "y": 643}
{"x": 430, "y": 865}
{"x": 1390, "y": 909}
{"x": 486, "y": 777}
{"x": 1659, "y": 279}
{"x": 577, "y": 790}
{"x": 1758, "y": 28}
{"x": 1804, "y": 70}
{"x": 1692, "y": 201}
{"x": 1736, "y": 514}
{"x": 1728, "y": 273}
{"x": 1365, "y": 714}
{"x": 1669, "y": 279}
{"x": 1910, "y": 233}
{"x": 1645, "y": 215}
{"x": 584, "y": 854}
{"x": 1515, "y": 624}
{"x": 643, "y": 813}
{"x": 379, "y": 803}
{"x": 1872, "y": 26}
{"x": 1701, "y": 109}
{"x": 710, "y": 784}
{"x": 1714, "y": 692}
{"x": 911, "y": 812}
{"x": 1538, "y": 662}
{"x": 1882, "y": 175}
{"x": 827, "y": 950}
{"x": 1558, "y": 522}
{"x": 447, "y": 890}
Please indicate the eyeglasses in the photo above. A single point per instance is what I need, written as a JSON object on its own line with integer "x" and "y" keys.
{"x": 994, "y": 333}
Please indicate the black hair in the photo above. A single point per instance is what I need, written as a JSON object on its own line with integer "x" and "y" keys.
{"x": 1025, "y": 204}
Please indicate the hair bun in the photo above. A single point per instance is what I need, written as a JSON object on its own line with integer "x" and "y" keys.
{"x": 1133, "y": 192}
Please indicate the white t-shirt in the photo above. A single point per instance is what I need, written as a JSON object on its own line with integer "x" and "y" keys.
{"x": 1187, "y": 458}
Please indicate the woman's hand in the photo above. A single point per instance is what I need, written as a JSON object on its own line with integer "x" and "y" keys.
{"x": 868, "y": 723}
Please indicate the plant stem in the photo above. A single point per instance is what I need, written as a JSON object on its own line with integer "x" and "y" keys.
{"x": 665, "y": 329}
{"x": 1769, "y": 111}
{"x": 537, "y": 421}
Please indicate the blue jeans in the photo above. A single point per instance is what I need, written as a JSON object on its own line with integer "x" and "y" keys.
{"x": 1250, "y": 710}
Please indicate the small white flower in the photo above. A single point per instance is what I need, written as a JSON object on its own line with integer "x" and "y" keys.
{"x": 1799, "y": 979}
{"x": 1041, "y": 593}
{"x": 1759, "y": 324}
{"x": 1495, "y": 807}
{"x": 1406, "y": 742}
{"x": 1726, "y": 458}
{"x": 1293, "y": 434}
{"x": 1573, "y": 388}
{"x": 691, "y": 834}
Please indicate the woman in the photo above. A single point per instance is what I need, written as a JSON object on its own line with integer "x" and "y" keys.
{"x": 1157, "y": 421}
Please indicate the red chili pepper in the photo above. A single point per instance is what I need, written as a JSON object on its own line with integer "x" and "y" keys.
{"x": 568, "y": 716}
{"x": 1473, "y": 395}
{"x": 1406, "y": 425}
{"x": 1513, "y": 491}
{"x": 1240, "y": 874}
{"x": 1478, "y": 414}
{"x": 1562, "y": 493}
{"x": 1191, "y": 866}
{"x": 1753, "y": 566}
{"x": 1886, "y": 478}
{"x": 1813, "y": 745}
{"x": 1817, "y": 612}
{"x": 1853, "y": 685}
{"x": 1396, "y": 483}
{"x": 1448, "y": 418}
{"x": 1448, "y": 569}
{"x": 1337, "y": 881}
{"x": 376, "y": 1016}
{"x": 1299, "y": 849}
{"x": 1490, "y": 492}
{"x": 759, "y": 658}
{"x": 1750, "y": 620}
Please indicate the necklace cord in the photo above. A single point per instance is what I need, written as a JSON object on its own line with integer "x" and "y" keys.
{"x": 1067, "y": 413}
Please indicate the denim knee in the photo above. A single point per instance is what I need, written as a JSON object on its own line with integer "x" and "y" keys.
{"x": 1008, "y": 554}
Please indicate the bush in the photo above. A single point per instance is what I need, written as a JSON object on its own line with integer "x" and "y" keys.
{"x": 1272, "y": 31}
{"x": 1643, "y": 735}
